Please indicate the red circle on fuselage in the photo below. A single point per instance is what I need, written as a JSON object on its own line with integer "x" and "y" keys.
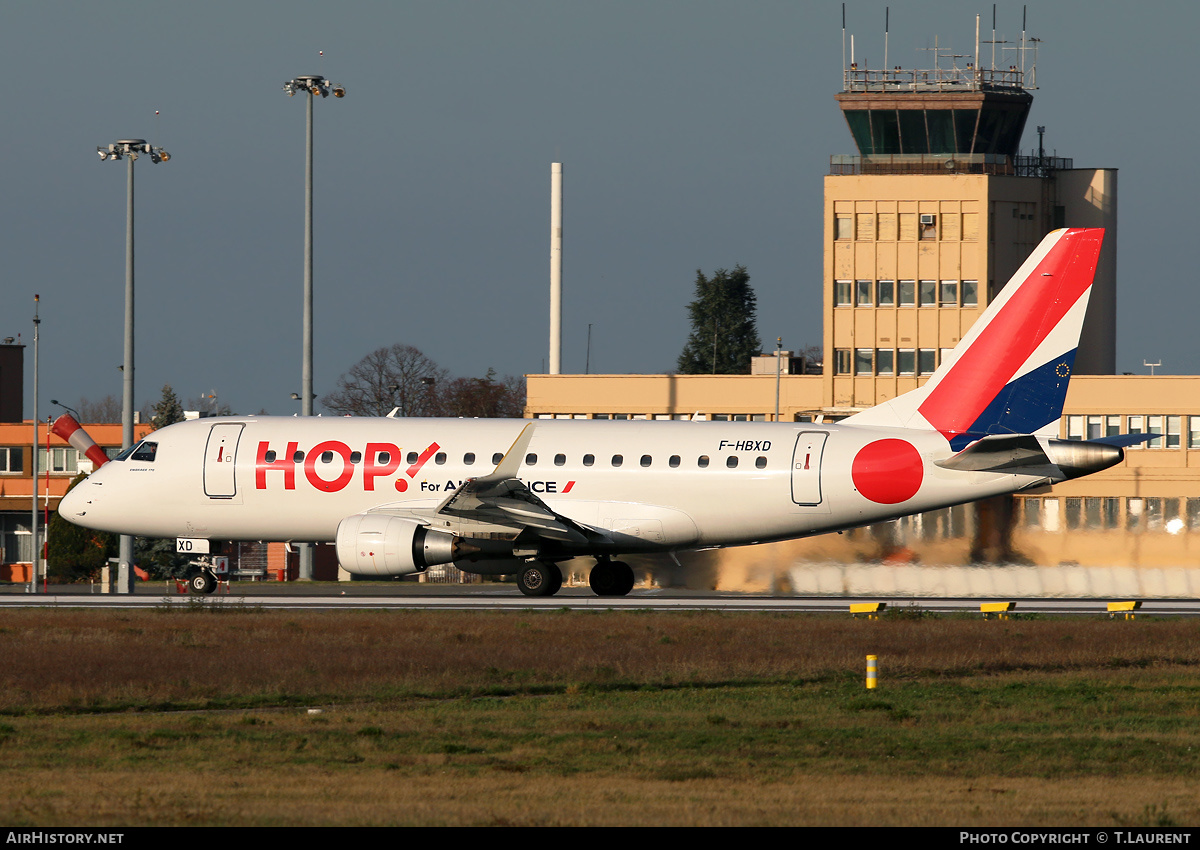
{"x": 888, "y": 471}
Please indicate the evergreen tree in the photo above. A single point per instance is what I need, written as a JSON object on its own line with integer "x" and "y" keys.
{"x": 724, "y": 334}
{"x": 168, "y": 410}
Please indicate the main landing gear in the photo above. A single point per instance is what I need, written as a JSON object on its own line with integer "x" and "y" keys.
{"x": 540, "y": 578}
{"x": 611, "y": 578}
{"x": 608, "y": 578}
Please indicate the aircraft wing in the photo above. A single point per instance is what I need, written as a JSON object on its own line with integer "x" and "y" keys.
{"x": 500, "y": 498}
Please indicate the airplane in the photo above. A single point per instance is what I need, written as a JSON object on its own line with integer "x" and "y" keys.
{"x": 516, "y": 497}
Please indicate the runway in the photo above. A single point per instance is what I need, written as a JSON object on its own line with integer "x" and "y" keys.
{"x": 502, "y": 598}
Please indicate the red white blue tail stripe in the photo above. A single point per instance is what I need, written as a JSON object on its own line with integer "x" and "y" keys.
{"x": 1009, "y": 374}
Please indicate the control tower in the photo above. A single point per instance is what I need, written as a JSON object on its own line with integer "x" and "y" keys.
{"x": 935, "y": 212}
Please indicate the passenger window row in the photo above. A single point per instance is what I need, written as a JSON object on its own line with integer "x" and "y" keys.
{"x": 531, "y": 459}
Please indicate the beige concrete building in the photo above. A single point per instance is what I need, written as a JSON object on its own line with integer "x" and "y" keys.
{"x": 935, "y": 212}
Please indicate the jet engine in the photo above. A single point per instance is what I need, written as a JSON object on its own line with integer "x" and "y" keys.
{"x": 382, "y": 545}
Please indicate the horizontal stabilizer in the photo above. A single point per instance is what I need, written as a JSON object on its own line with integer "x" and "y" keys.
{"x": 1123, "y": 440}
{"x": 1000, "y": 453}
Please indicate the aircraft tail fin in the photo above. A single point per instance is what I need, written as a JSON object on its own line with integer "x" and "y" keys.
{"x": 1009, "y": 373}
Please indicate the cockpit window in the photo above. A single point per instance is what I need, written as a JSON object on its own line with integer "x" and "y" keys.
{"x": 145, "y": 451}
{"x": 125, "y": 454}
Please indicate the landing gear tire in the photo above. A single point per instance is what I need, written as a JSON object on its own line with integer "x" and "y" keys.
{"x": 540, "y": 579}
{"x": 611, "y": 578}
{"x": 202, "y": 583}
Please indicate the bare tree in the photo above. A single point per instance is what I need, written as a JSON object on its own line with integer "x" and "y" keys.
{"x": 396, "y": 376}
{"x": 106, "y": 410}
{"x": 485, "y": 397}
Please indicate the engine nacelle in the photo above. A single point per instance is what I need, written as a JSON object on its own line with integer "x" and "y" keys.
{"x": 383, "y": 545}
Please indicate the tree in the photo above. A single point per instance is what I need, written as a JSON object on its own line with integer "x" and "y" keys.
{"x": 396, "y": 376}
{"x": 724, "y": 336}
{"x": 484, "y": 397}
{"x": 106, "y": 410}
{"x": 159, "y": 559}
{"x": 168, "y": 410}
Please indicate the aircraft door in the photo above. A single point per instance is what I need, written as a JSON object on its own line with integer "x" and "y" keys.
{"x": 219, "y": 460}
{"x": 806, "y": 468}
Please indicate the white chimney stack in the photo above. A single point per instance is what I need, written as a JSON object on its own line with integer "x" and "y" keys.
{"x": 556, "y": 239}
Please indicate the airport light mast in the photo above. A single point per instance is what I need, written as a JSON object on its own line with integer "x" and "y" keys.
{"x": 130, "y": 150}
{"x": 313, "y": 85}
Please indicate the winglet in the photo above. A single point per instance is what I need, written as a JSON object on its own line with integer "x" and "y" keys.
{"x": 511, "y": 462}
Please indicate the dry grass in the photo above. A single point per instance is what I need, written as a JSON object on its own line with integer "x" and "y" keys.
{"x": 594, "y": 718}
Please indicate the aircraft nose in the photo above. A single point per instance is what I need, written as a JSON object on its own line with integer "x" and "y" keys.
{"x": 78, "y": 503}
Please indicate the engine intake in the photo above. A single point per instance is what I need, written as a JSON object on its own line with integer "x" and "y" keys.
{"x": 383, "y": 545}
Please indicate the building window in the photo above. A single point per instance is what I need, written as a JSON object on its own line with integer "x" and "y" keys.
{"x": 928, "y": 293}
{"x": 885, "y": 362}
{"x": 11, "y": 457}
{"x": 1154, "y": 425}
{"x": 1137, "y": 425}
{"x": 1194, "y": 432}
{"x": 1075, "y": 426}
{"x": 886, "y": 293}
{"x": 842, "y": 361}
{"x": 1172, "y": 521}
{"x": 863, "y": 364}
{"x": 970, "y": 293}
{"x": 1154, "y": 514}
{"x": 1074, "y": 512}
{"x": 1134, "y": 509}
{"x": 906, "y": 361}
{"x": 1032, "y": 509}
{"x": 1193, "y": 514}
{"x": 61, "y": 460}
{"x": 949, "y": 293}
{"x": 908, "y": 293}
{"x": 1174, "y": 423}
{"x": 928, "y": 225}
{"x": 842, "y": 227}
{"x": 927, "y": 361}
{"x": 863, "y": 296}
{"x": 842, "y": 293}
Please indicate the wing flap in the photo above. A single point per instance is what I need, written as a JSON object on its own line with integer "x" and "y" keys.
{"x": 501, "y": 498}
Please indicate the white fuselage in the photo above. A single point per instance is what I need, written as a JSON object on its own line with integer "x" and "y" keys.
{"x": 646, "y": 486}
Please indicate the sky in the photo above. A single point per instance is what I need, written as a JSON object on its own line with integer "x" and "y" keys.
{"x": 694, "y": 135}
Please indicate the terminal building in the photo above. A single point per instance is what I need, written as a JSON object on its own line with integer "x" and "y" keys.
{"x": 935, "y": 212}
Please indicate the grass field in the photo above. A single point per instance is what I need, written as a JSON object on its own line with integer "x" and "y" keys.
{"x": 237, "y": 716}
